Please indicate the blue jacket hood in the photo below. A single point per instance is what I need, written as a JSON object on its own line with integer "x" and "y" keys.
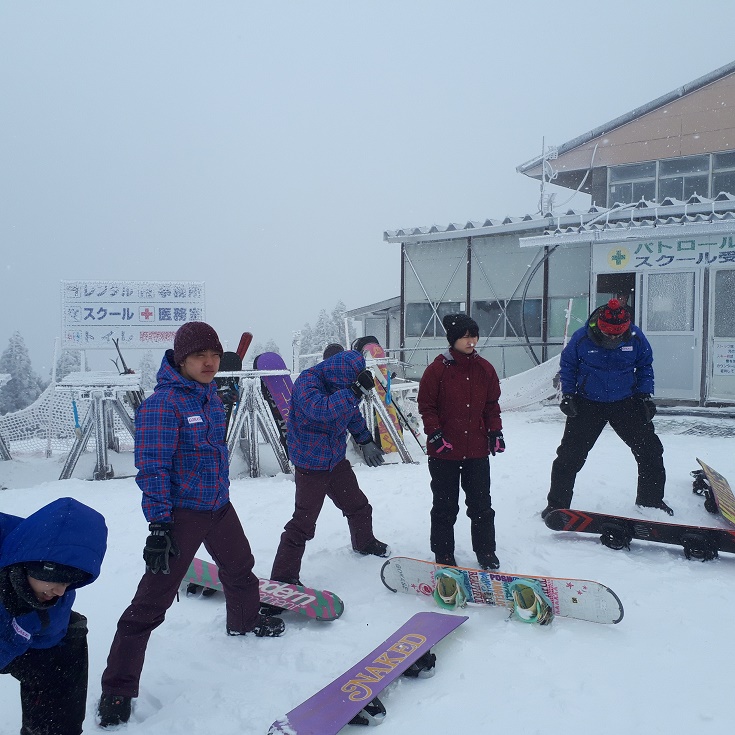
{"x": 169, "y": 377}
{"x": 64, "y": 531}
{"x": 339, "y": 371}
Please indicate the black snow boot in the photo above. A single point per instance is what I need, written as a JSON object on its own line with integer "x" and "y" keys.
{"x": 114, "y": 709}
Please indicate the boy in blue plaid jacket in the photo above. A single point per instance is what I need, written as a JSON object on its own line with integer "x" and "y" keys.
{"x": 183, "y": 472}
{"x": 324, "y": 408}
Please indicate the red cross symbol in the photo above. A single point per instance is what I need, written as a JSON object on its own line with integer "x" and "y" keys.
{"x": 146, "y": 313}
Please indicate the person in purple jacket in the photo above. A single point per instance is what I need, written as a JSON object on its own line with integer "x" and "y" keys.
{"x": 606, "y": 373}
{"x": 182, "y": 462}
{"x": 44, "y": 559}
{"x": 324, "y": 408}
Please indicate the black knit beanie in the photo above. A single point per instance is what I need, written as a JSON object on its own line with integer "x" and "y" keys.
{"x": 457, "y": 325}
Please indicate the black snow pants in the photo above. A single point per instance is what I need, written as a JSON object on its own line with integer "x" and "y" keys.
{"x": 53, "y": 683}
{"x": 474, "y": 477}
{"x": 582, "y": 431}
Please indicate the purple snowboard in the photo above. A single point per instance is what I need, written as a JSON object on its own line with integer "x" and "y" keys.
{"x": 330, "y": 709}
{"x": 276, "y": 389}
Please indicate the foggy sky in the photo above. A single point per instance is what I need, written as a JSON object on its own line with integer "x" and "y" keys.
{"x": 264, "y": 147}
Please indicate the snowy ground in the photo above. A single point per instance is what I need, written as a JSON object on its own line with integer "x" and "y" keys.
{"x": 663, "y": 669}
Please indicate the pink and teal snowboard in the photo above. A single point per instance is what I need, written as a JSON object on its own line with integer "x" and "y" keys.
{"x": 582, "y": 599}
{"x": 315, "y": 604}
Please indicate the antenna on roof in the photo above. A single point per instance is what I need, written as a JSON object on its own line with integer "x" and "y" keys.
{"x": 546, "y": 202}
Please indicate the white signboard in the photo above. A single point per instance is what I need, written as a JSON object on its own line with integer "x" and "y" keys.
{"x": 724, "y": 358}
{"x": 657, "y": 254}
{"x": 140, "y": 314}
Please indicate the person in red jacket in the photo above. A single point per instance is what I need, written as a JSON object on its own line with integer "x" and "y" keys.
{"x": 458, "y": 403}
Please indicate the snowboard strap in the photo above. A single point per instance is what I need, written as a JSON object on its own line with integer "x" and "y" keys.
{"x": 616, "y": 536}
{"x": 371, "y": 714}
{"x": 701, "y": 486}
{"x": 530, "y": 604}
{"x": 449, "y": 592}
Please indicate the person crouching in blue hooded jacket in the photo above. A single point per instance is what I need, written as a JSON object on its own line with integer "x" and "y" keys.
{"x": 606, "y": 373}
{"x": 44, "y": 559}
{"x": 324, "y": 407}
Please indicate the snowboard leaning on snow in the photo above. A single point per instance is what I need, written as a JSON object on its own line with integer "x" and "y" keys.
{"x": 316, "y": 604}
{"x": 616, "y": 532}
{"x": 331, "y": 708}
{"x": 717, "y": 492}
{"x": 582, "y": 599}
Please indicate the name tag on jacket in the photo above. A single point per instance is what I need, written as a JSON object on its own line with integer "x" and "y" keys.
{"x": 195, "y": 419}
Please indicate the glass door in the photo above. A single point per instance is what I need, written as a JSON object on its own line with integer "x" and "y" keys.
{"x": 671, "y": 319}
{"x": 721, "y": 347}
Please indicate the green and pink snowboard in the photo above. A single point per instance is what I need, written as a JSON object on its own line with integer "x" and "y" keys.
{"x": 582, "y": 599}
{"x": 315, "y": 604}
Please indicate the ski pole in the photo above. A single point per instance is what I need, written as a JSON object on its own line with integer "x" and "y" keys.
{"x": 403, "y": 419}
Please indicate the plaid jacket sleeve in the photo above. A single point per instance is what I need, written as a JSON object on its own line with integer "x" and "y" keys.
{"x": 156, "y": 439}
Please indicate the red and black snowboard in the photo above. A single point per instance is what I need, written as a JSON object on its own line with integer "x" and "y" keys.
{"x": 616, "y": 532}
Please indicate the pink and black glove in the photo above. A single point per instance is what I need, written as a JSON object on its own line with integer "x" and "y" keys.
{"x": 438, "y": 441}
{"x": 495, "y": 442}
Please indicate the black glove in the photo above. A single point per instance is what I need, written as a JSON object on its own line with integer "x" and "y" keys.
{"x": 495, "y": 442}
{"x": 363, "y": 385}
{"x": 647, "y": 406}
{"x": 159, "y": 546}
{"x": 438, "y": 441}
{"x": 372, "y": 454}
{"x": 568, "y": 405}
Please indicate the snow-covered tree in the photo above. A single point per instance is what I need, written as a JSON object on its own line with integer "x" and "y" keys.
{"x": 24, "y": 385}
{"x": 329, "y": 328}
{"x": 271, "y": 346}
{"x": 69, "y": 361}
{"x": 147, "y": 369}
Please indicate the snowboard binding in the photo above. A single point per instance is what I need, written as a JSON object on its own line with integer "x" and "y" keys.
{"x": 423, "y": 667}
{"x": 616, "y": 536}
{"x": 701, "y": 486}
{"x": 372, "y": 713}
{"x": 530, "y": 604}
{"x": 699, "y": 546}
{"x": 449, "y": 591}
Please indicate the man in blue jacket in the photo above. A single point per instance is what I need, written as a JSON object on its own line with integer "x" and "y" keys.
{"x": 606, "y": 373}
{"x": 44, "y": 559}
{"x": 183, "y": 472}
{"x": 324, "y": 407}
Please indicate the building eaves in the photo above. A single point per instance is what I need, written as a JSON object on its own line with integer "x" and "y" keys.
{"x": 643, "y": 220}
{"x": 619, "y": 216}
{"x": 666, "y": 99}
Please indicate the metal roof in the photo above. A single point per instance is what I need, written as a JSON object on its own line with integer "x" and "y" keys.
{"x": 642, "y": 214}
{"x": 677, "y": 93}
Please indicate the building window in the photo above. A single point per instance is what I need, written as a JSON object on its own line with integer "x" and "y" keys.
{"x": 558, "y": 308}
{"x": 631, "y": 183}
{"x": 421, "y": 321}
{"x": 680, "y": 178}
{"x": 724, "y": 299}
{"x": 723, "y": 173}
{"x": 493, "y": 323}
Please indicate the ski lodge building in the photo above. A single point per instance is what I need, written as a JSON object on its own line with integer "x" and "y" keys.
{"x": 660, "y": 235}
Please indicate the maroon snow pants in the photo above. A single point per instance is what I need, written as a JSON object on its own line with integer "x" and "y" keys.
{"x": 223, "y": 537}
{"x": 312, "y": 487}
